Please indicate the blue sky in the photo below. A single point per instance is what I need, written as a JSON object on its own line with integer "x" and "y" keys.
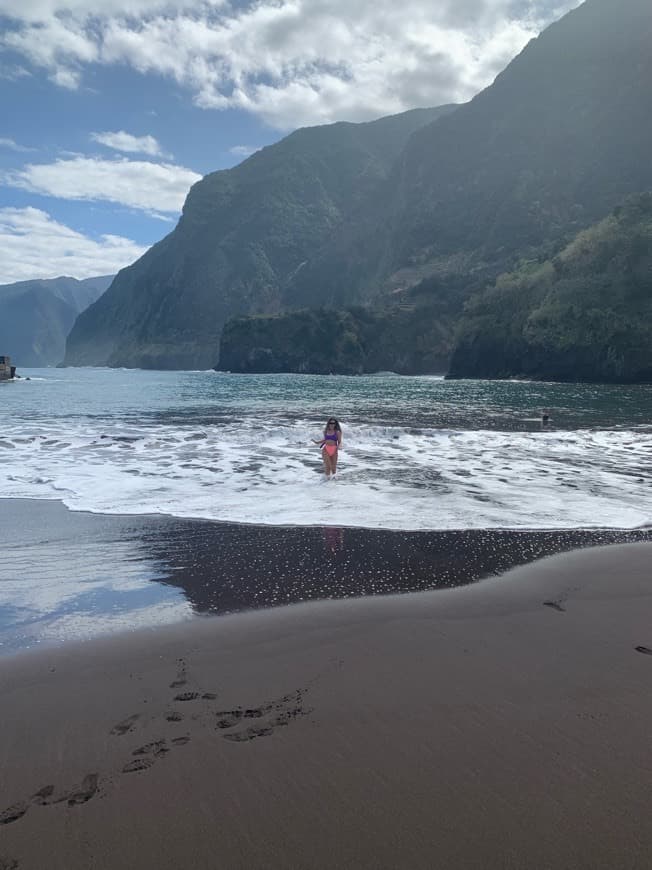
{"x": 109, "y": 117}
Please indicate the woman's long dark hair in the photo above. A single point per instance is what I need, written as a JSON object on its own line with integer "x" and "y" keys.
{"x": 337, "y": 425}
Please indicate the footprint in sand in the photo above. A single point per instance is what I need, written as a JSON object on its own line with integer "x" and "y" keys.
{"x": 138, "y": 764}
{"x": 644, "y": 649}
{"x": 182, "y": 680}
{"x": 42, "y": 795}
{"x": 13, "y": 813}
{"x": 249, "y": 734}
{"x": 556, "y": 605}
{"x": 182, "y": 676}
{"x": 286, "y": 709}
{"x": 286, "y": 716}
{"x": 85, "y": 792}
{"x": 174, "y": 717}
{"x": 257, "y": 712}
{"x": 192, "y": 696}
{"x": 126, "y": 725}
{"x": 8, "y": 864}
{"x": 229, "y": 718}
{"x": 149, "y": 752}
{"x": 157, "y": 747}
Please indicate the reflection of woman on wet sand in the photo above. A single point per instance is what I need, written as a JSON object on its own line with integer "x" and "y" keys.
{"x": 333, "y": 539}
{"x": 330, "y": 444}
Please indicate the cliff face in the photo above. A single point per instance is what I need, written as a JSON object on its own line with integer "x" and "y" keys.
{"x": 582, "y": 315}
{"x": 413, "y": 336}
{"x": 585, "y": 315}
{"x": 243, "y": 234}
{"x": 331, "y": 341}
{"x": 36, "y": 316}
{"x": 560, "y": 138}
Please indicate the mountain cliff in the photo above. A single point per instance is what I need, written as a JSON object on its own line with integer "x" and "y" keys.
{"x": 560, "y": 137}
{"x": 355, "y": 214}
{"x": 584, "y": 315}
{"x": 36, "y": 316}
{"x": 242, "y": 235}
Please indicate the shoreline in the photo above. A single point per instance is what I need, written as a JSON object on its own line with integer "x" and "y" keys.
{"x": 643, "y": 528}
{"x": 69, "y": 575}
{"x": 444, "y": 376}
{"x": 494, "y": 726}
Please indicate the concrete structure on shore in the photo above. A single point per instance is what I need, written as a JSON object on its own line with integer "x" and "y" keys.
{"x": 7, "y": 371}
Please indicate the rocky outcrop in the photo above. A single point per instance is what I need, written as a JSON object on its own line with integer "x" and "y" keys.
{"x": 584, "y": 315}
{"x": 411, "y": 337}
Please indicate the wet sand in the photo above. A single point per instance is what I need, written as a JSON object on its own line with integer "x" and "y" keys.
{"x": 66, "y": 575}
{"x": 500, "y": 725}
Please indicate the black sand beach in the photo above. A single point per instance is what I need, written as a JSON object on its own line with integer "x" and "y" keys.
{"x": 498, "y": 726}
{"x": 219, "y": 568}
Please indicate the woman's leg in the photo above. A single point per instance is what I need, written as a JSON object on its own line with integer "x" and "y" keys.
{"x": 334, "y": 462}
{"x": 327, "y": 463}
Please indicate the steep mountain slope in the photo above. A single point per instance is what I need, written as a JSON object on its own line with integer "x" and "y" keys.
{"x": 585, "y": 315}
{"x": 242, "y": 234}
{"x": 563, "y": 135}
{"x": 36, "y": 316}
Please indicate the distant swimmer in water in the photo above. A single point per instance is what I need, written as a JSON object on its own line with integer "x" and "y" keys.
{"x": 330, "y": 445}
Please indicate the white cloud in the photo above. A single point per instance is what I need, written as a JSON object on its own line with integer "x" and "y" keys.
{"x": 33, "y": 245}
{"x": 150, "y": 187}
{"x": 59, "y": 45}
{"x": 66, "y": 78}
{"x": 13, "y": 146}
{"x": 12, "y": 72}
{"x": 122, "y": 141}
{"x": 243, "y": 150}
{"x": 290, "y": 62}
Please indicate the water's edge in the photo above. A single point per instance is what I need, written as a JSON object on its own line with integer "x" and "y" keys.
{"x": 69, "y": 575}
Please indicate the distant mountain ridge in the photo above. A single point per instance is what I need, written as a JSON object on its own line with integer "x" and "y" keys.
{"x": 36, "y": 316}
{"x": 243, "y": 234}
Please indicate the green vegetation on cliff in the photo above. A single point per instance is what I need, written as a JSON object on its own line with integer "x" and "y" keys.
{"x": 413, "y": 336}
{"x": 584, "y": 315}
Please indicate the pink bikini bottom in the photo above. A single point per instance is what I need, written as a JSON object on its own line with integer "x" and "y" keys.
{"x": 330, "y": 449}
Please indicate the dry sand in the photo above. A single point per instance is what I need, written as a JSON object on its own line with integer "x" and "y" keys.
{"x": 502, "y": 725}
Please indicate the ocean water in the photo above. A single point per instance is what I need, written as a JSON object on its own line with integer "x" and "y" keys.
{"x": 418, "y": 453}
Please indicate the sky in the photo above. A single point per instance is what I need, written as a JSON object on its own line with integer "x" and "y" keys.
{"x": 108, "y": 117}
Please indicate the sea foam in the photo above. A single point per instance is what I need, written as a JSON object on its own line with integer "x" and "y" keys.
{"x": 253, "y": 469}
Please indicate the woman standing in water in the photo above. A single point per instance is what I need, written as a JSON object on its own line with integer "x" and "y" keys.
{"x": 330, "y": 445}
